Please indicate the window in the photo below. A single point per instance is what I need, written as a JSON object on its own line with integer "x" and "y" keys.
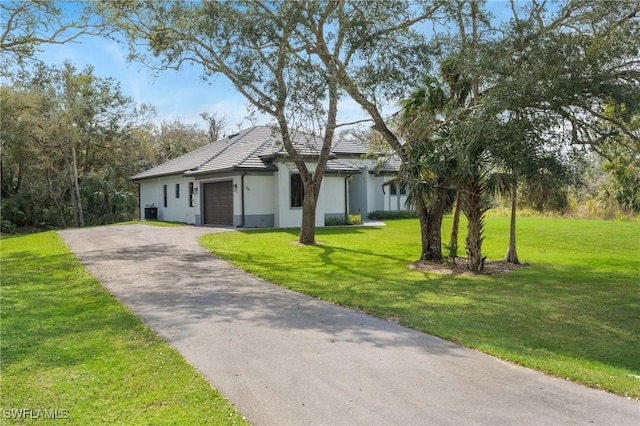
{"x": 297, "y": 190}
{"x": 392, "y": 189}
{"x": 190, "y": 194}
{"x": 164, "y": 195}
{"x": 177, "y": 190}
{"x": 403, "y": 189}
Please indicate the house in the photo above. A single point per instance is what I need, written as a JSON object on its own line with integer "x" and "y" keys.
{"x": 246, "y": 180}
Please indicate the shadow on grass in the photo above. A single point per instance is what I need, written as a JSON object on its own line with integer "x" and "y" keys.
{"x": 327, "y": 230}
{"x": 573, "y": 311}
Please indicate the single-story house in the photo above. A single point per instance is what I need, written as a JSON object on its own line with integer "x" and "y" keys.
{"x": 246, "y": 180}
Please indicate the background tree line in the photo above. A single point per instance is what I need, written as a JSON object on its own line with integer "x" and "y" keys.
{"x": 70, "y": 141}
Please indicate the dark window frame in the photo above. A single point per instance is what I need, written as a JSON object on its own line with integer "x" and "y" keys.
{"x": 164, "y": 196}
{"x": 296, "y": 191}
{"x": 190, "y": 194}
{"x": 393, "y": 190}
{"x": 177, "y": 190}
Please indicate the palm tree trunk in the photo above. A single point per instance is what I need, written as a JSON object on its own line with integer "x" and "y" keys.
{"x": 512, "y": 255}
{"x": 453, "y": 242}
{"x": 423, "y": 217}
{"x": 436, "y": 211}
{"x": 431, "y": 224}
{"x": 475, "y": 217}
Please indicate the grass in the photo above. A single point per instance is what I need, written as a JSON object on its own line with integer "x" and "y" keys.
{"x": 68, "y": 345}
{"x": 574, "y": 312}
{"x": 154, "y": 222}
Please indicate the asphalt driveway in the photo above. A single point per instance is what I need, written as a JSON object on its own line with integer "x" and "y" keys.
{"x": 287, "y": 359}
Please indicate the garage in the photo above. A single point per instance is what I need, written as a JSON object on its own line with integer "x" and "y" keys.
{"x": 218, "y": 203}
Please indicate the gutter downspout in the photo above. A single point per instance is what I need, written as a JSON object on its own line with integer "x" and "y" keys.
{"x": 242, "y": 200}
{"x": 346, "y": 199}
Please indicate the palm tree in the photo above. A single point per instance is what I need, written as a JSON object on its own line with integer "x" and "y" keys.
{"x": 424, "y": 119}
{"x": 506, "y": 184}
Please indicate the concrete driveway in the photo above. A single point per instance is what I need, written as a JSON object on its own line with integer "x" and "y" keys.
{"x": 287, "y": 359}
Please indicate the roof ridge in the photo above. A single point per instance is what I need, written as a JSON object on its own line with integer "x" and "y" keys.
{"x": 231, "y": 140}
{"x": 256, "y": 149}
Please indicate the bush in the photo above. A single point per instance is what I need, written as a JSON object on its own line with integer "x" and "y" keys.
{"x": 354, "y": 219}
{"x": 399, "y": 214}
{"x": 333, "y": 221}
{"x": 6, "y": 227}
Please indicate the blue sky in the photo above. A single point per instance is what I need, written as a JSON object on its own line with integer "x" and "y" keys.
{"x": 175, "y": 94}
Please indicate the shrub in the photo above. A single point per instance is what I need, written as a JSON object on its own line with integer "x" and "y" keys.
{"x": 333, "y": 221}
{"x": 354, "y": 219}
{"x": 399, "y": 214}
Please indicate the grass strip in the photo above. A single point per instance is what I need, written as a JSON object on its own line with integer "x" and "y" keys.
{"x": 574, "y": 312}
{"x": 153, "y": 222}
{"x": 70, "y": 351}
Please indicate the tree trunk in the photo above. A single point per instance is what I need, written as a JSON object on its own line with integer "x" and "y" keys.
{"x": 512, "y": 255}
{"x": 423, "y": 216}
{"x": 72, "y": 191}
{"x": 474, "y": 213}
{"x": 76, "y": 187}
{"x": 309, "y": 202}
{"x": 453, "y": 242}
{"x": 431, "y": 224}
{"x": 56, "y": 200}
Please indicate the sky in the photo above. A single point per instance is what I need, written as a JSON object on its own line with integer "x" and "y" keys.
{"x": 175, "y": 94}
{"x": 179, "y": 94}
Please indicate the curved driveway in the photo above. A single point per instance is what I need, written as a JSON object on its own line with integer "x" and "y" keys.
{"x": 287, "y": 359}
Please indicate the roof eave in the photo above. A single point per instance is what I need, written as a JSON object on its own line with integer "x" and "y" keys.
{"x": 230, "y": 169}
{"x": 135, "y": 178}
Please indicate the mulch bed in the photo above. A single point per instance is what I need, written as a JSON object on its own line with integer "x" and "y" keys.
{"x": 491, "y": 267}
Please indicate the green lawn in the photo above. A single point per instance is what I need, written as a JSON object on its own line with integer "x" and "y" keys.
{"x": 69, "y": 349}
{"x": 574, "y": 312}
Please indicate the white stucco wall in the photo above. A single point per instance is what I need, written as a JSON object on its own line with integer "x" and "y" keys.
{"x": 375, "y": 196}
{"x": 286, "y": 216}
{"x": 330, "y": 201}
{"x": 394, "y": 202}
{"x": 150, "y": 195}
{"x": 267, "y": 197}
{"x": 177, "y": 209}
{"x": 259, "y": 194}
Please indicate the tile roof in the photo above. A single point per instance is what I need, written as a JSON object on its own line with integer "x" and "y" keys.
{"x": 337, "y": 166}
{"x": 254, "y": 148}
{"x": 347, "y": 146}
{"x": 391, "y": 164}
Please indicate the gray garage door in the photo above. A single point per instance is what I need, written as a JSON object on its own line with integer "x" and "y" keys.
{"x": 218, "y": 203}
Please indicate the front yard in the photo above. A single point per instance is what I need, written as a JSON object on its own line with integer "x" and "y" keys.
{"x": 574, "y": 312}
{"x": 71, "y": 352}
